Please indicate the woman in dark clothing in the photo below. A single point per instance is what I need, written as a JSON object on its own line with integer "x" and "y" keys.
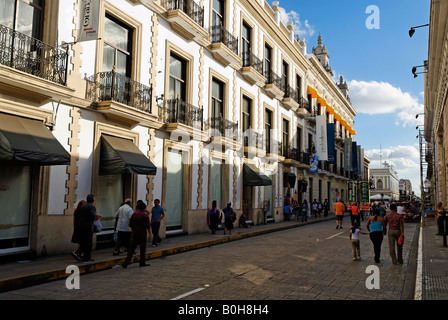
{"x": 375, "y": 227}
{"x": 75, "y": 236}
{"x": 213, "y": 217}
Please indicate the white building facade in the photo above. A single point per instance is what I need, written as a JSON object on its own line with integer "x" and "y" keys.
{"x": 174, "y": 100}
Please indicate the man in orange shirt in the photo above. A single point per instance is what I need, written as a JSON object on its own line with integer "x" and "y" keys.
{"x": 339, "y": 209}
{"x": 355, "y": 214}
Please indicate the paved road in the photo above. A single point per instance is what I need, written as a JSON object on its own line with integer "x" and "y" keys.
{"x": 312, "y": 262}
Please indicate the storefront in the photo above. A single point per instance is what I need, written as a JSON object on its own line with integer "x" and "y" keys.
{"x": 26, "y": 147}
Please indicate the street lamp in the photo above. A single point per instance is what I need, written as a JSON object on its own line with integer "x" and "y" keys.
{"x": 412, "y": 30}
{"x": 416, "y": 116}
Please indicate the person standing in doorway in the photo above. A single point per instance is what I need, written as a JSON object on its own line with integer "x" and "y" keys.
{"x": 157, "y": 214}
{"x": 396, "y": 228}
{"x": 122, "y": 218}
{"x": 339, "y": 209}
{"x": 87, "y": 217}
{"x": 139, "y": 223}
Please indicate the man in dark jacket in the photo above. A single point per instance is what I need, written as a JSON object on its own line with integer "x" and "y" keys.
{"x": 87, "y": 217}
{"x": 139, "y": 224}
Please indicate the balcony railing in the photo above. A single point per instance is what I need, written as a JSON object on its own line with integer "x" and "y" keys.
{"x": 221, "y": 34}
{"x": 189, "y": 7}
{"x": 111, "y": 86}
{"x": 291, "y": 93}
{"x": 178, "y": 111}
{"x": 273, "y": 78}
{"x": 304, "y": 103}
{"x": 251, "y": 60}
{"x": 32, "y": 56}
{"x": 253, "y": 139}
{"x": 296, "y": 154}
{"x": 219, "y": 126}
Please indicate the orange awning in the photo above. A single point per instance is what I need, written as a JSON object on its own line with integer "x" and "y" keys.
{"x": 322, "y": 101}
{"x": 331, "y": 110}
{"x": 312, "y": 92}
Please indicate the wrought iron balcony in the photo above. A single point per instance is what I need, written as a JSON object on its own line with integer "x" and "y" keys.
{"x": 251, "y": 60}
{"x": 305, "y": 104}
{"x": 189, "y": 7}
{"x": 297, "y": 155}
{"x": 32, "y": 56}
{"x": 178, "y": 111}
{"x": 273, "y": 78}
{"x": 291, "y": 93}
{"x": 220, "y": 34}
{"x": 111, "y": 86}
{"x": 253, "y": 139}
{"x": 219, "y": 126}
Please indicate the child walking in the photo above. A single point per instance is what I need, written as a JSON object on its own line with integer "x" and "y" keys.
{"x": 354, "y": 239}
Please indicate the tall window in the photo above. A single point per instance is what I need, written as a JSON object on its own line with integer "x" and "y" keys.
{"x": 267, "y": 61}
{"x": 285, "y": 130}
{"x": 299, "y": 139}
{"x": 298, "y": 87}
{"x": 23, "y": 16}
{"x": 284, "y": 75}
{"x": 246, "y": 113}
{"x": 117, "y": 50}
{"x": 267, "y": 129}
{"x": 218, "y": 13}
{"x": 246, "y": 40}
{"x": 178, "y": 73}
{"x": 217, "y": 100}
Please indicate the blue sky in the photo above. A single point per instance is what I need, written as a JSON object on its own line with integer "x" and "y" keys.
{"x": 376, "y": 63}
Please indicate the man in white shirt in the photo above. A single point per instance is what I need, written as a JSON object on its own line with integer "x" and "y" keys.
{"x": 121, "y": 226}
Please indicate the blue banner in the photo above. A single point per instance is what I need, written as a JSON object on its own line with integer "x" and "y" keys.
{"x": 354, "y": 157}
{"x": 331, "y": 143}
{"x": 314, "y": 162}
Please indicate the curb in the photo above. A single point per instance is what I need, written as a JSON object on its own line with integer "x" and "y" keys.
{"x": 33, "y": 279}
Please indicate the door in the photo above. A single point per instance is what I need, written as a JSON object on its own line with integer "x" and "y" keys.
{"x": 15, "y": 197}
{"x": 109, "y": 198}
{"x": 216, "y": 183}
{"x": 174, "y": 190}
{"x": 269, "y": 197}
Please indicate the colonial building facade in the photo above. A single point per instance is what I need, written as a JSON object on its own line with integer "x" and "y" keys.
{"x": 434, "y": 178}
{"x": 182, "y": 101}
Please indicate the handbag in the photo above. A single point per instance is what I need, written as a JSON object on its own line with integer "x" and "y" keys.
{"x": 401, "y": 240}
{"x": 97, "y": 226}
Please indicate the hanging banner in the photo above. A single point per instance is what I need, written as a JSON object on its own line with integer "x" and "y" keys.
{"x": 321, "y": 137}
{"x": 89, "y": 17}
{"x": 314, "y": 161}
{"x": 365, "y": 195}
{"x": 354, "y": 158}
{"x": 331, "y": 143}
{"x": 352, "y": 192}
{"x": 348, "y": 154}
{"x": 360, "y": 160}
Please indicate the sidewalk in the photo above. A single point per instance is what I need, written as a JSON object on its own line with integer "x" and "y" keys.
{"x": 20, "y": 274}
{"x": 432, "y": 275}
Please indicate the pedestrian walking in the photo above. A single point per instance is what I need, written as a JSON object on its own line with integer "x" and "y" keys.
{"x": 295, "y": 210}
{"x": 229, "y": 218}
{"x": 87, "y": 217}
{"x": 439, "y": 211}
{"x": 326, "y": 208}
{"x": 355, "y": 231}
{"x": 304, "y": 211}
{"x": 213, "y": 217}
{"x": 157, "y": 214}
{"x": 375, "y": 227}
{"x": 339, "y": 209}
{"x": 354, "y": 216}
{"x": 319, "y": 208}
{"x": 314, "y": 208}
{"x": 75, "y": 235}
{"x": 121, "y": 226}
{"x": 140, "y": 224}
{"x": 394, "y": 221}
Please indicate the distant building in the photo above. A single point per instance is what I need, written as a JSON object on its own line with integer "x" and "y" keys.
{"x": 385, "y": 182}
{"x": 405, "y": 187}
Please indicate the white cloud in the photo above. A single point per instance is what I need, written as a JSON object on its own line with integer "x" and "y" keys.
{"x": 301, "y": 28}
{"x": 372, "y": 97}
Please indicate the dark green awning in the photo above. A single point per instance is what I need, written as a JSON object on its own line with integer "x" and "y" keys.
{"x": 252, "y": 176}
{"x": 29, "y": 141}
{"x": 120, "y": 156}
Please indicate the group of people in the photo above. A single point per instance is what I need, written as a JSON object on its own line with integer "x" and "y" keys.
{"x": 215, "y": 215}
{"x": 132, "y": 228}
{"x": 294, "y": 210}
{"x": 378, "y": 226}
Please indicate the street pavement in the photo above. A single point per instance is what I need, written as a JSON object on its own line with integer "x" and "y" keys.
{"x": 423, "y": 276}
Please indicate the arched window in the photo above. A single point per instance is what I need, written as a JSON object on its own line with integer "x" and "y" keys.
{"x": 379, "y": 184}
